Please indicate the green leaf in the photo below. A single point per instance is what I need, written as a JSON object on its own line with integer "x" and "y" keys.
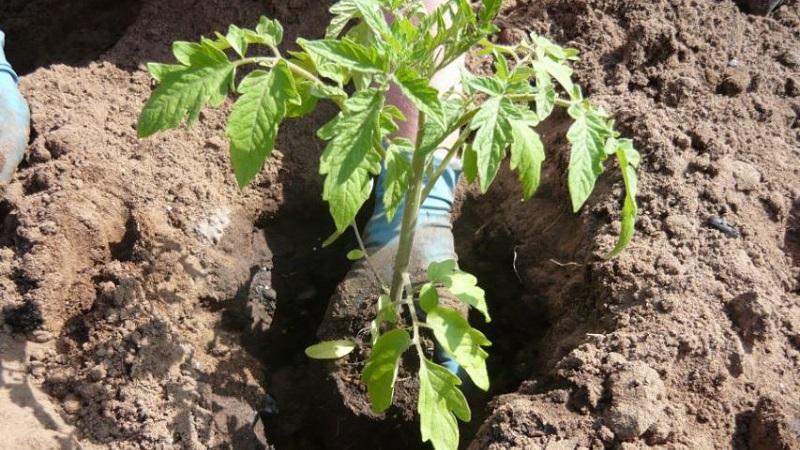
{"x": 462, "y": 342}
{"x": 350, "y": 159}
{"x": 380, "y": 372}
{"x": 347, "y": 53}
{"x": 308, "y": 99}
{"x": 330, "y": 349}
{"x": 428, "y": 297}
{"x": 470, "y": 160}
{"x": 628, "y": 159}
{"x": 160, "y": 71}
{"x": 316, "y": 64}
{"x": 192, "y": 53}
{"x": 440, "y": 402}
{"x": 587, "y": 135}
{"x": 237, "y": 40}
{"x": 527, "y": 155}
{"x": 461, "y": 284}
{"x": 331, "y": 239}
{"x": 355, "y": 254}
{"x": 270, "y": 31}
{"x": 490, "y": 9}
{"x": 560, "y": 72}
{"x": 421, "y": 94}
{"x": 183, "y": 93}
{"x": 386, "y": 310}
{"x": 492, "y": 138}
{"x": 434, "y": 132}
{"x": 491, "y": 86}
{"x": 254, "y": 120}
{"x": 342, "y": 11}
{"x": 396, "y": 178}
{"x": 372, "y": 14}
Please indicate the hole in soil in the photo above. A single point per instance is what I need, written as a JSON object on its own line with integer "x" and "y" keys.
{"x": 44, "y": 32}
{"x": 124, "y": 249}
{"x": 8, "y": 224}
{"x": 304, "y": 276}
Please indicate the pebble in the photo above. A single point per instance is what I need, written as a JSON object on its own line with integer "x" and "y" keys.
{"x": 41, "y": 336}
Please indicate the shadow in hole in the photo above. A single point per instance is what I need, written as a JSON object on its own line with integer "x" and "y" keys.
{"x": 129, "y": 33}
{"x": 791, "y": 239}
{"x": 44, "y": 32}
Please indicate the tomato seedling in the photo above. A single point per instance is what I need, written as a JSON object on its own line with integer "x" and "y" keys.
{"x": 494, "y": 117}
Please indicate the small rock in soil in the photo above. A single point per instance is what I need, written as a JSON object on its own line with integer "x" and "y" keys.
{"x": 637, "y": 401}
{"x": 750, "y": 314}
{"x": 734, "y": 82}
{"x": 775, "y": 425}
{"x": 724, "y": 227}
{"x": 747, "y": 177}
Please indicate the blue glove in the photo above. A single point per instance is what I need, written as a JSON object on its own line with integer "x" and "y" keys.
{"x": 14, "y": 119}
{"x": 433, "y": 239}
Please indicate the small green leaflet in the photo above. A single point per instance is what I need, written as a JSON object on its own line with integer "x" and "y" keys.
{"x": 470, "y": 159}
{"x": 527, "y": 155}
{"x": 355, "y": 254}
{"x": 237, "y": 40}
{"x": 373, "y": 16}
{"x": 421, "y": 94}
{"x": 628, "y": 159}
{"x": 396, "y": 177}
{"x": 491, "y": 86}
{"x": 462, "y": 342}
{"x": 490, "y": 9}
{"x": 159, "y": 70}
{"x": 342, "y": 11}
{"x": 253, "y": 123}
{"x": 330, "y": 349}
{"x": 492, "y": 138}
{"x": 380, "y": 372}
{"x": 461, "y": 284}
{"x": 183, "y": 93}
{"x": 560, "y": 72}
{"x": 440, "y": 402}
{"x": 347, "y": 53}
{"x": 588, "y": 136}
{"x": 268, "y": 31}
{"x": 434, "y": 132}
{"x": 349, "y": 159}
{"x": 428, "y": 297}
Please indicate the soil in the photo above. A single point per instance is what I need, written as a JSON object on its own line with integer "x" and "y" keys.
{"x": 151, "y": 304}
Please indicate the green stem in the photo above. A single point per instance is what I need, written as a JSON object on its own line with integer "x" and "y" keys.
{"x": 409, "y": 223}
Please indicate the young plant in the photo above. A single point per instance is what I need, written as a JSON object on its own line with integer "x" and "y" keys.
{"x": 494, "y": 117}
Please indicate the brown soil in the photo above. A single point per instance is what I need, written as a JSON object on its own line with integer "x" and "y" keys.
{"x": 175, "y": 307}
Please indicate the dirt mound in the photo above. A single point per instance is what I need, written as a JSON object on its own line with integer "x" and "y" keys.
{"x": 175, "y": 306}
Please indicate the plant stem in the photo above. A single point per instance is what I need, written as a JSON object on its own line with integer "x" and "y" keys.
{"x": 409, "y": 223}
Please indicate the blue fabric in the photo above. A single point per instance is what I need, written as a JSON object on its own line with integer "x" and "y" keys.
{"x": 434, "y": 213}
{"x": 14, "y": 119}
{"x": 5, "y": 67}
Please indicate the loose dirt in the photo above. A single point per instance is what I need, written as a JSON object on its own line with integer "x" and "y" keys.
{"x": 175, "y": 307}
